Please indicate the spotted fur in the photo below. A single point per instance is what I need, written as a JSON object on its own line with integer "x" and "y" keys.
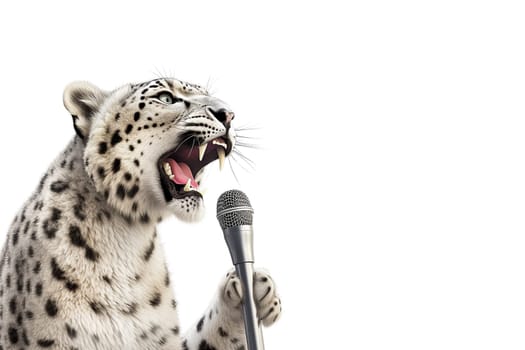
{"x": 82, "y": 266}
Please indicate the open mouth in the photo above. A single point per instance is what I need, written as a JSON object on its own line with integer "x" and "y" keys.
{"x": 180, "y": 169}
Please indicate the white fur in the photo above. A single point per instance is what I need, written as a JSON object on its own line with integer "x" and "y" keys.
{"x": 104, "y": 267}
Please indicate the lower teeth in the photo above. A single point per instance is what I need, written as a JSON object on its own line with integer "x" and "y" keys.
{"x": 188, "y": 187}
{"x": 167, "y": 169}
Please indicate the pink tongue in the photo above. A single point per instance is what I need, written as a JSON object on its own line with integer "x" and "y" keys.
{"x": 182, "y": 173}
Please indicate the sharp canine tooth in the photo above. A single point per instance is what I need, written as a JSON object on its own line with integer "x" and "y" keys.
{"x": 187, "y": 187}
{"x": 202, "y": 149}
{"x": 220, "y": 153}
{"x": 172, "y": 177}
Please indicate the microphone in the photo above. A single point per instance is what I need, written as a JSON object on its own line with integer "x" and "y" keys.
{"x": 235, "y": 215}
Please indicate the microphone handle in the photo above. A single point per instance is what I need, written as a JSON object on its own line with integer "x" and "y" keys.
{"x": 254, "y": 339}
{"x": 239, "y": 240}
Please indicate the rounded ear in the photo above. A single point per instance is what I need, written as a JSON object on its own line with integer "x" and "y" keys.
{"x": 83, "y": 100}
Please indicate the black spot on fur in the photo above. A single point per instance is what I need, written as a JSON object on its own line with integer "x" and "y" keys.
{"x": 127, "y": 176}
{"x": 59, "y": 186}
{"x": 30, "y": 251}
{"x": 26, "y": 227}
{"x": 55, "y": 214}
{"x": 144, "y": 218}
{"x": 51, "y": 308}
{"x": 129, "y": 127}
{"x": 149, "y": 251}
{"x": 12, "y": 305}
{"x": 222, "y": 332}
{"x": 133, "y": 191}
{"x": 102, "y": 147}
{"x": 96, "y": 307}
{"x": 45, "y": 343}
{"x": 101, "y": 172}
{"x": 121, "y": 192}
{"x": 71, "y": 332}
{"x": 142, "y": 105}
{"x": 115, "y": 138}
{"x": 155, "y": 300}
{"x": 72, "y": 286}
{"x": 91, "y": 254}
{"x": 136, "y": 116}
{"x": 38, "y": 289}
{"x": 116, "y": 165}
{"x": 56, "y": 271}
{"x": 13, "y": 335}
{"x": 205, "y": 346}
{"x": 51, "y": 225}
{"x": 76, "y": 237}
{"x": 200, "y": 324}
{"x": 78, "y": 210}
{"x": 20, "y": 283}
{"x": 15, "y": 237}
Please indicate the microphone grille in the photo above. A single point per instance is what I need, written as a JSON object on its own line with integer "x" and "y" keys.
{"x": 234, "y": 209}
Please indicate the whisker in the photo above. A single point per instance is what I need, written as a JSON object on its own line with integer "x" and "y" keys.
{"x": 247, "y": 137}
{"x": 233, "y": 171}
{"x": 247, "y": 128}
{"x": 181, "y": 143}
{"x": 192, "y": 145}
{"x": 239, "y": 164}
{"x": 160, "y": 73}
{"x": 210, "y": 89}
{"x": 156, "y": 73}
{"x": 247, "y": 145}
{"x": 248, "y": 161}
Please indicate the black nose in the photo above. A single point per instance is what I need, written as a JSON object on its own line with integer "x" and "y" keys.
{"x": 223, "y": 115}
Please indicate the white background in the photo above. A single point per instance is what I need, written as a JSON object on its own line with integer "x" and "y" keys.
{"x": 389, "y": 186}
